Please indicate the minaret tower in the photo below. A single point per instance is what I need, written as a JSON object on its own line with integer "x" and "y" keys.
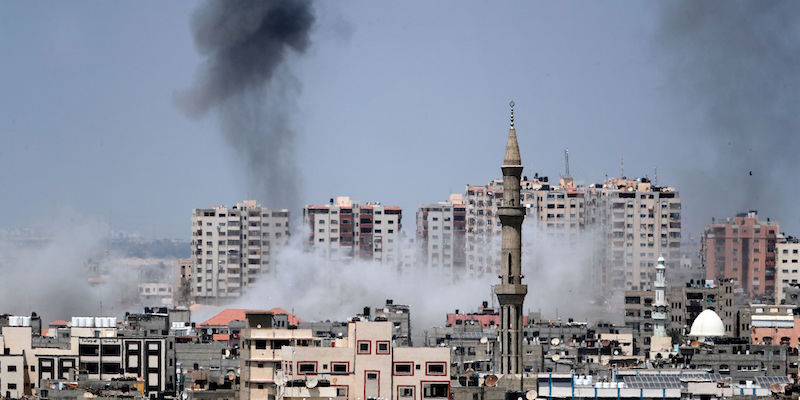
{"x": 511, "y": 292}
{"x": 660, "y": 301}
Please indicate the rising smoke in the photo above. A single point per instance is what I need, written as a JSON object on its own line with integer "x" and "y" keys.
{"x": 558, "y": 275}
{"x": 48, "y": 273}
{"x": 246, "y": 80}
{"x": 738, "y": 64}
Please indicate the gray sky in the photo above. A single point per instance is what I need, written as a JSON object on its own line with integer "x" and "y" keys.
{"x": 401, "y": 103}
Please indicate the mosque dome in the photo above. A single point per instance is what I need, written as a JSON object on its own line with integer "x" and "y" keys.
{"x": 707, "y": 324}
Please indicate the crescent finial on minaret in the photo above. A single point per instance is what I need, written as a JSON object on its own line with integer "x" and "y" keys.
{"x": 511, "y": 104}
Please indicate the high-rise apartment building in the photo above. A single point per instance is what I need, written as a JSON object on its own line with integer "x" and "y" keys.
{"x": 743, "y": 249}
{"x": 345, "y": 229}
{"x": 637, "y": 222}
{"x": 232, "y": 247}
{"x": 441, "y": 229}
{"x": 557, "y": 209}
{"x": 787, "y": 257}
{"x": 483, "y": 227}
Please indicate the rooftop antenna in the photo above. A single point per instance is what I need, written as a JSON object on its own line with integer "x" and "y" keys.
{"x": 566, "y": 163}
{"x": 622, "y": 166}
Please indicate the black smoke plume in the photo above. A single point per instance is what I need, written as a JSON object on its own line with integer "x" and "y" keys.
{"x": 246, "y": 79}
{"x": 738, "y": 64}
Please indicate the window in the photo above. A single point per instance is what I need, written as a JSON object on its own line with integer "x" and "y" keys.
{"x": 12, "y": 368}
{"x": 383, "y": 347}
{"x": 89, "y": 350}
{"x": 341, "y": 391}
{"x": 435, "y": 368}
{"x": 403, "y": 368}
{"x": 340, "y": 367}
{"x": 261, "y": 344}
{"x": 12, "y": 386}
{"x": 432, "y": 390}
{"x": 111, "y": 368}
{"x": 307, "y": 368}
{"x": 110, "y": 350}
{"x": 372, "y": 376}
{"x": 90, "y": 368}
{"x": 363, "y": 347}
{"x": 406, "y": 391}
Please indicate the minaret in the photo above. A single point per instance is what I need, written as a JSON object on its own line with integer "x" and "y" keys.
{"x": 511, "y": 292}
{"x": 660, "y": 302}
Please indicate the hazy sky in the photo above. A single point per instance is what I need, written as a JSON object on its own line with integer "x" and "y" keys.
{"x": 401, "y": 103}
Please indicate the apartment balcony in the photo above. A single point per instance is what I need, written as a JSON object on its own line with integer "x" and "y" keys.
{"x": 263, "y": 355}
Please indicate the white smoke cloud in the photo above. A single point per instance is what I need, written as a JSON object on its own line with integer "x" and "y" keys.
{"x": 557, "y": 272}
{"x": 47, "y": 272}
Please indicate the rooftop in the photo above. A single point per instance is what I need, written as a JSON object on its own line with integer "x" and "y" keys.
{"x": 225, "y": 317}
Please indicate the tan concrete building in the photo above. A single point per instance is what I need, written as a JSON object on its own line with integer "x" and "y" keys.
{"x": 346, "y": 229}
{"x": 787, "y": 268}
{"x": 691, "y": 299}
{"x": 483, "y": 227}
{"x": 365, "y": 365}
{"x": 90, "y": 346}
{"x": 636, "y": 222}
{"x": 182, "y": 282}
{"x": 441, "y": 229}
{"x": 232, "y": 247}
{"x": 261, "y": 360}
{"x": 742, "y": 248}
{"x": 558, "y": 209}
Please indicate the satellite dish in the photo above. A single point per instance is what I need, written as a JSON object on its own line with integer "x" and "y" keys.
{"x": 556, "y": 357}
{"x": 491, "y": 381}
{"x": 616, "y": 352}
{"x": 531, "y": 395}
{"x": 209, "y": 331}
{"x": 312, "y": 382}
{"x": 484, "y": 340}
{"x": 555, "y": 341}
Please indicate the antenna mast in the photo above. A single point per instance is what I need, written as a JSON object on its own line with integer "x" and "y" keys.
{"x": 566, "y": 162}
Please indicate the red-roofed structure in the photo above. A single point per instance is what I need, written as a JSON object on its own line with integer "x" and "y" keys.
{"x": 221, "y": 337}
{"x": 227, "y": 315}
{"x": 58, "y": 323}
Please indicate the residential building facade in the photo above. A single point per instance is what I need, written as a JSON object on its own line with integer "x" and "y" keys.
{"x": 636, "y": 222}
{"x": 365, "y": 365}
{"x": 787, "y": 258}
{"x": 346, "y": 229}
{"x": 261, "y": 343}
{"x": 232, "y": 247}
{"x": 742, "y": 248}
{"x": 441, "y": 229}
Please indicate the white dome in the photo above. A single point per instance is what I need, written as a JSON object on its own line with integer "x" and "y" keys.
{"x": 707, "y": 324}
